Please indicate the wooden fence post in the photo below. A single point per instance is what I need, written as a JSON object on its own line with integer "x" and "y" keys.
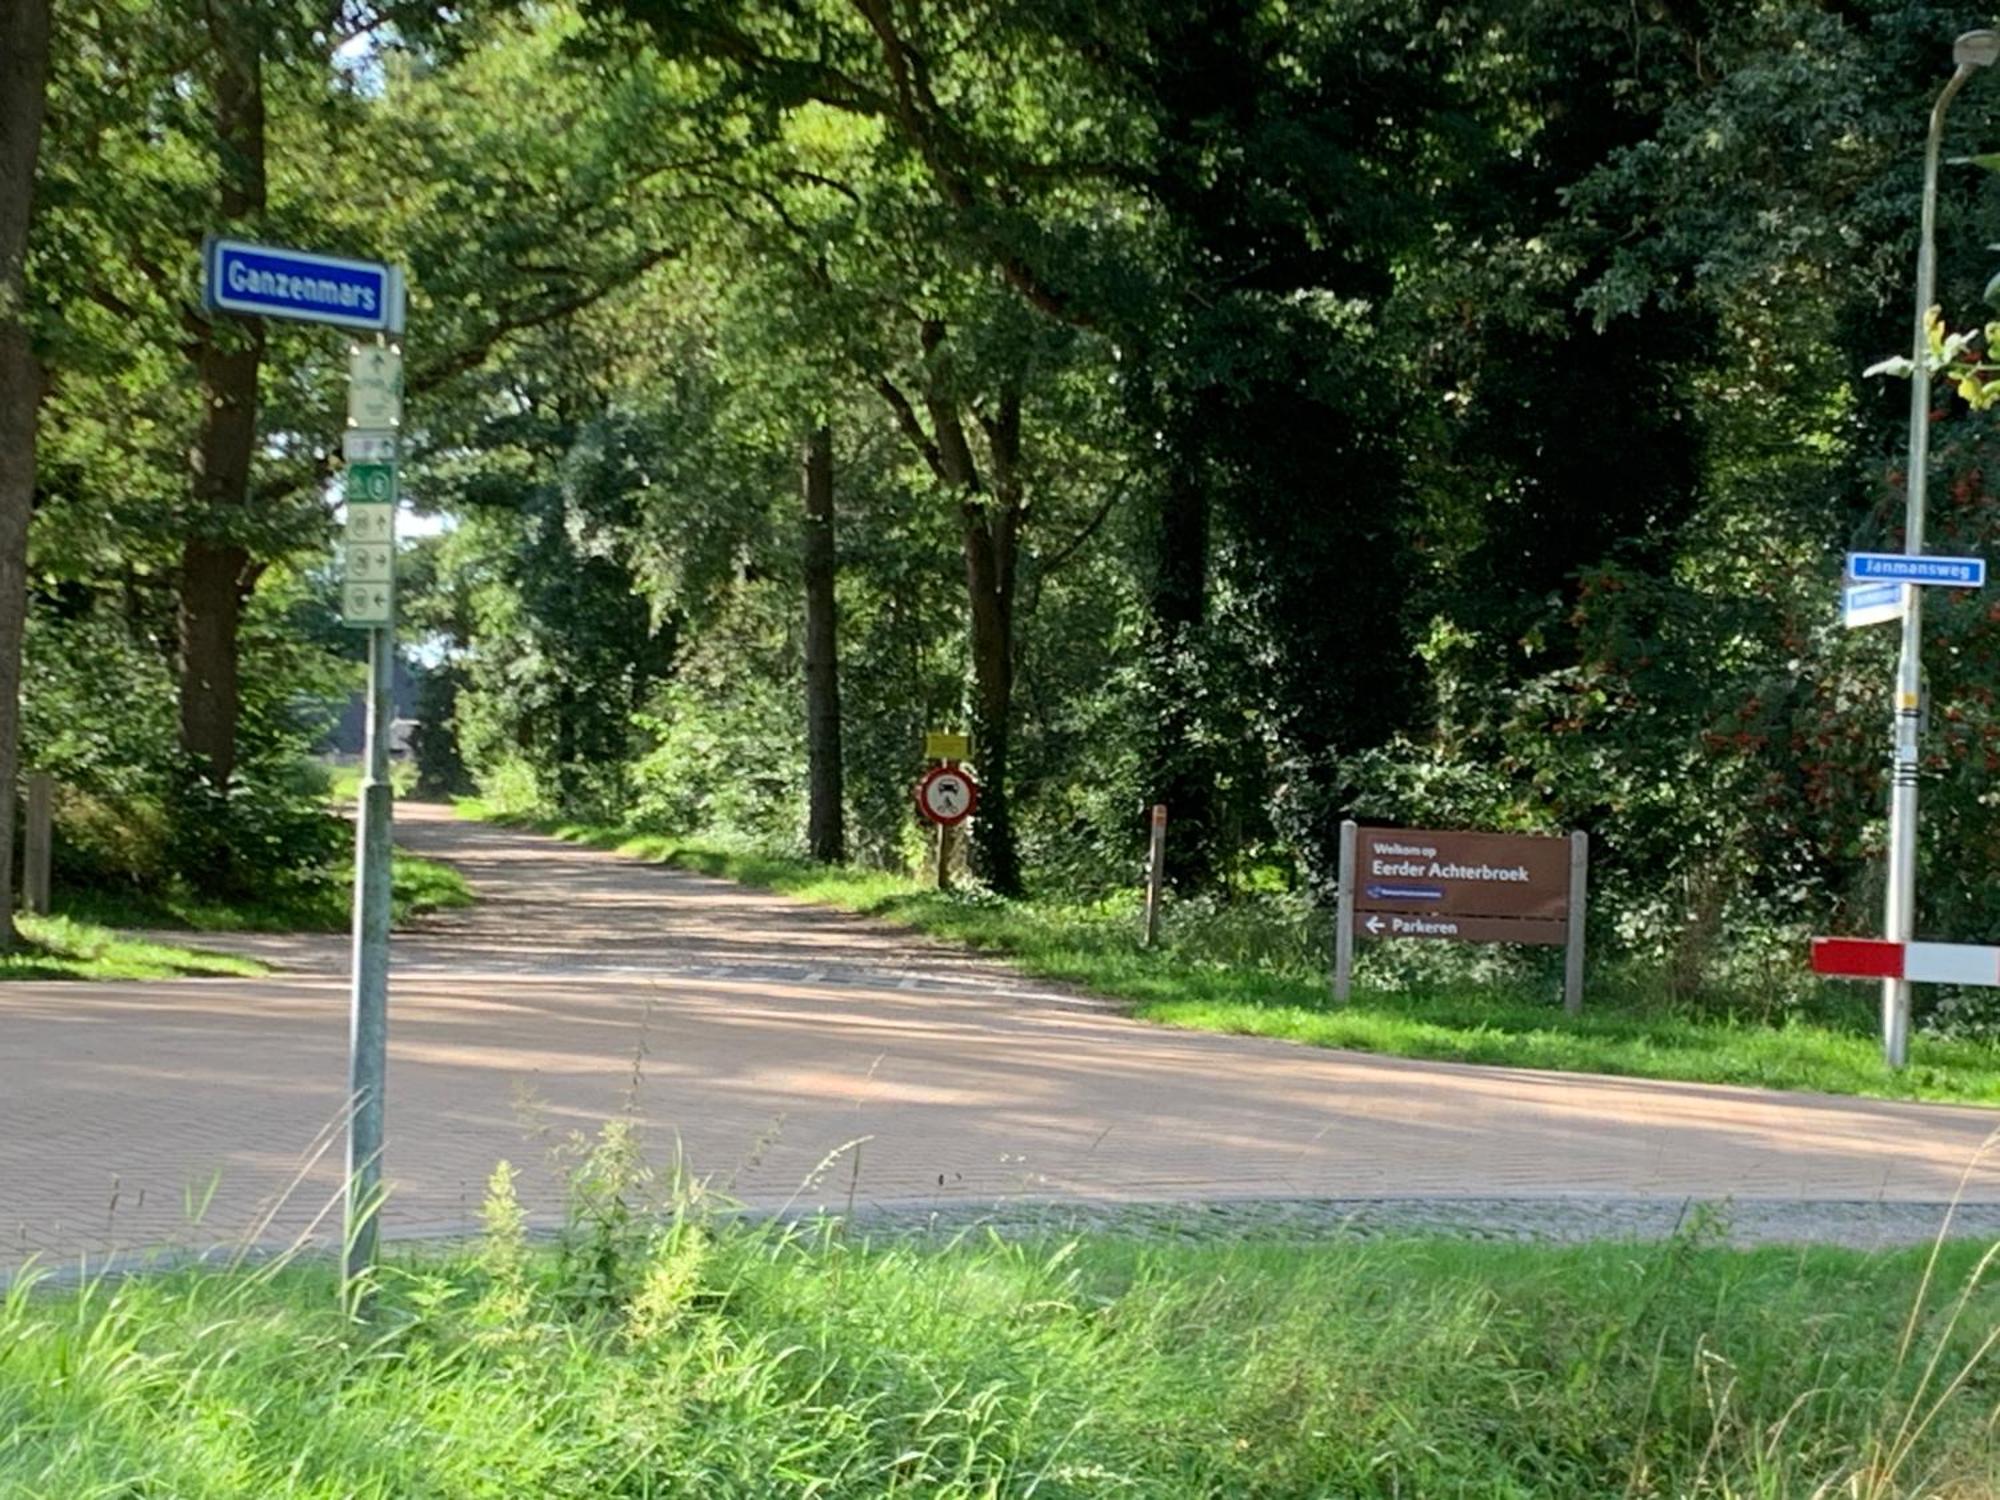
{"x": 1579, "y": 887}
{"x": 1156, "y": 871}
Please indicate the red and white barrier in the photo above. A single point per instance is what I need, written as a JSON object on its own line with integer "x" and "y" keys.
{"x": 1923, "y": 963}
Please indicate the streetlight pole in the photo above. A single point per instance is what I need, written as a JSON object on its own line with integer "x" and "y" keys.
{"x": 1972, "y": 51}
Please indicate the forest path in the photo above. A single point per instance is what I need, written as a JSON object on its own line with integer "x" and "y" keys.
{"x": 770, "y": 1037}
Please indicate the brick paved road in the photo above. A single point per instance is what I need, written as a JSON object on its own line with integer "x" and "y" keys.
{"x": 772, "y": 1035}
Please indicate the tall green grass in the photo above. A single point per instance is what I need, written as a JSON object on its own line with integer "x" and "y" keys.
{"x": 1259, "y": 969}
{"x": 656, "y": 1349}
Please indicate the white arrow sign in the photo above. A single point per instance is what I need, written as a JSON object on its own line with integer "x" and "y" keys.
{"x": 1373, "y": 924}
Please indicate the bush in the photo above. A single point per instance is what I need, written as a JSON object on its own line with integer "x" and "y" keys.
{"x": 268, "y": 824}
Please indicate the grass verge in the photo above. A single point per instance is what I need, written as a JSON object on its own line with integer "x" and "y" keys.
{"x": 671, "y": 1355}
{"x": 1207, "y": 977}
{"x": 60, "y": 947}
{"x": 418, "y": 886}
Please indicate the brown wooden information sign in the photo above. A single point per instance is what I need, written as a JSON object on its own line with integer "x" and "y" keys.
{"x": 1440, "y": 885}
{"x": 1438, "y": 874}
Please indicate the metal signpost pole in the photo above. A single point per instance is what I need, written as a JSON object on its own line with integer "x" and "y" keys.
{"x": 1975, "y": 49}
{"x": 368, "y": 1026}
{"x": 1343, "y": 917}
{"x": 374, "y": 414}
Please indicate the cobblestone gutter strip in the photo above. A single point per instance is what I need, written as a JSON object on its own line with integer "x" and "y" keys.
{"x": 1867, "y": 1225}
{"x": 1870, "y": 1225}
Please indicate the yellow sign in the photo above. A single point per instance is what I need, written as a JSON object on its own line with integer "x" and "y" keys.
{"x": 941, "y": 746}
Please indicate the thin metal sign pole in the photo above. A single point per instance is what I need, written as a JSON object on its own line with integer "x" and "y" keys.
{"x": 1900, "y": 904}
{"x": 368, "y": 1019}
{"x": 368, "y": 1024}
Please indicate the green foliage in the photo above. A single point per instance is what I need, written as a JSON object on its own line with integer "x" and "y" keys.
{"x": 1284, "y": 413}
{"x": 727, "y": 1359}
{"x": 323, "y": 904}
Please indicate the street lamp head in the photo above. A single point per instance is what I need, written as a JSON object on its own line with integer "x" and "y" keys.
{"x": 1976, "y": 49}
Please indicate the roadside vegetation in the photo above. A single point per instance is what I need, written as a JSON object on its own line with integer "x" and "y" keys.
{"x": 1282, "y": 415}
{"x": 113, "y": 933}
{"x": 657, "y": 1350}
{"x": 343, "y": 781}
{"x": 1258, "y": 966}
{"x": 62, "y": 947}
{"x": 321, "y": 904}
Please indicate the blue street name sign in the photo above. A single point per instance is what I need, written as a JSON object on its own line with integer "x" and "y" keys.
{"x": 1871, "y": 603}
{"x": 1901, "y": 567}
{"x": 268, "y": 282}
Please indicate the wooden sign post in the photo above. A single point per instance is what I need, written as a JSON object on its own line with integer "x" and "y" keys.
{"x": 1156, "y": 872}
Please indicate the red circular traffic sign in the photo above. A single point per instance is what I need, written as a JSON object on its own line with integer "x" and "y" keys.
{"x": 947, "y": 795}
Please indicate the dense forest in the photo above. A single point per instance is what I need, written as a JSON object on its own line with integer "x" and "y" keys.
{"x": 1443, "y": 414}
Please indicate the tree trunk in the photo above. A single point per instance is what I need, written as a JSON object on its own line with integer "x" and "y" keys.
{"x": 1181, "y": 775}
{"x": 211, "y": 608}
{"x": 228, "y": 356}
{"x": 826, "y": 829}
{"x": 992, "y": 524}
{"x": 24, "y": 63}
{"x": 989, "y": 571}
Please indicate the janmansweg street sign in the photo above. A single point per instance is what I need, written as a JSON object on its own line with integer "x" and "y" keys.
{"x": 1871, "y": 603}
{"x": 269, "y": 281}
{"x": 1903, "y": 567}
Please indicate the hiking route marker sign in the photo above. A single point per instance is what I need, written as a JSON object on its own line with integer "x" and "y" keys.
{"x": 1417, "y": 883}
